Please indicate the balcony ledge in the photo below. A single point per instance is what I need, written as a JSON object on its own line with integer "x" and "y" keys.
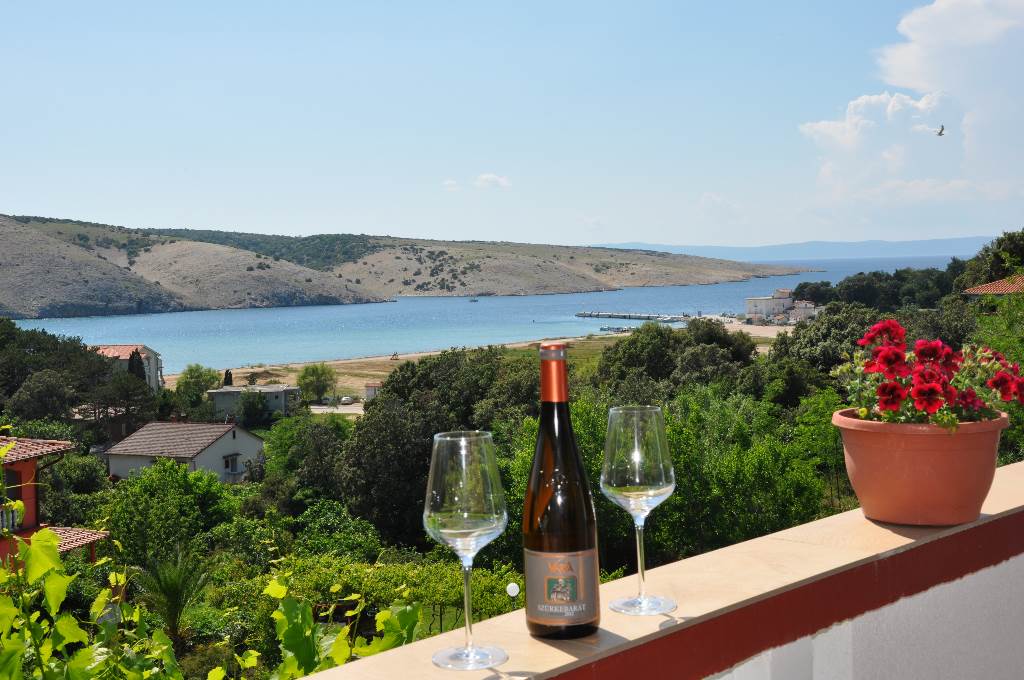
{"x": 739, "y": 601}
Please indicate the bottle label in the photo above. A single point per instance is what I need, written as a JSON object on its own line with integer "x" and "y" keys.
{"x": 561, "y": 588}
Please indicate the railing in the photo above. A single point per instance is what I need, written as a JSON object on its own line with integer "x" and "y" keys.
{"x": 9, "y": 520}
{"x": 842, "y": 598}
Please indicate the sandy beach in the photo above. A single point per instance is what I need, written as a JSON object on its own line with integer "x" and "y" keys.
{"x": 354, "y": 373}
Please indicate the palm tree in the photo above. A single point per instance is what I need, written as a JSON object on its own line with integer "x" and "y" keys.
{"x": 170, "y": 586}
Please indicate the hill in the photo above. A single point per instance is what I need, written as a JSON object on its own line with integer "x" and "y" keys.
{"x": 175, "y": 269}
{"x": 965, "y": 246}
{"x": 42, "y": 276}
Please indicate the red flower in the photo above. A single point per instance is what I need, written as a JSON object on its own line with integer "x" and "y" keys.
{"x": 969, "y": 400}
{"x": 890, "y": 396}
{"x": 931, "y": 351}
{"x": 889, "y": 332}
{"x": 889, "y": 361}
{"x": 927, "y": 397}
{"x": 1005, "y": 383}
{"x": 951, "y": 364}
{"x": 926, "y": 374}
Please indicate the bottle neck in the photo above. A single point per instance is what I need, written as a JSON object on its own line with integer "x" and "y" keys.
{"x": 554, "y": 381}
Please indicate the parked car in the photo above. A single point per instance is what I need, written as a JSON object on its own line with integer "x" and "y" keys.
{"x": 345, "y": 401}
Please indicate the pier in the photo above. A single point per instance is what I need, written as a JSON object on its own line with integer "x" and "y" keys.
{"x": 632, "y": 316}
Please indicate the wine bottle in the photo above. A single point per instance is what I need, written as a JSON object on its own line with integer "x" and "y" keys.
{"x": 559, "y": 524}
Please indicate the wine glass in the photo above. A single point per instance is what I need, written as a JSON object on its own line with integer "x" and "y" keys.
{"x": 637, "y": 475}
{"x": 465, "y": 509}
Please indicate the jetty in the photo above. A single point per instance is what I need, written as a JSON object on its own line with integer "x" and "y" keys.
{"x": 633, "y": 316}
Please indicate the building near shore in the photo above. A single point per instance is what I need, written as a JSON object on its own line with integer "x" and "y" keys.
{"x": 780, "y": 307}
{"x": 220, "y": 448}
{"x": 150, "y": 359}
{"x": 279, "y": 398}
{"x": 1007, "y": 286}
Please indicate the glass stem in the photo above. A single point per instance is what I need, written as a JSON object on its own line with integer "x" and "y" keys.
{"x": 467, "y": 571}
{"x": 640, "y": 558}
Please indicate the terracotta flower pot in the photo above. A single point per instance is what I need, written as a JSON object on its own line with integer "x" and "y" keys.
{"x": 920, "y": 473}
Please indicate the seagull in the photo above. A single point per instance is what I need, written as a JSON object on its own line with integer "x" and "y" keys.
{"x": 941, "y": 131}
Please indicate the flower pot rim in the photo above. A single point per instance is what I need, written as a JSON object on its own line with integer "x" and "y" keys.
{"x": 847, "y": 419}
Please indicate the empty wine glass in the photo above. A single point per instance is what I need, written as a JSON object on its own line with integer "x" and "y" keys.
{"x": 637, "y": 475}
{"x": 465, "y": 509}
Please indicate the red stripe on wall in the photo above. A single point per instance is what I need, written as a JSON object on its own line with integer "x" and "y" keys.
{"x": 717, "y": 644}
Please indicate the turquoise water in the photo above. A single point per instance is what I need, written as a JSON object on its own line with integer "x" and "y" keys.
{"x": 238, "y": 337}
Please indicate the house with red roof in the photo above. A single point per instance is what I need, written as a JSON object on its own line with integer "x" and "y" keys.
{"x": 1007, "y": 286}
{"x": 21, "y": 466}
{"x": 221, "y": 448}
{"x": 150, "y": 359}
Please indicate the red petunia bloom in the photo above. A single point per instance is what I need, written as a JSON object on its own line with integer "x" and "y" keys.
{"x": 890, "y": 396}
{"x": 889, "y": 361}
{"x": 926, "y": 374}
{"x": 888, "y": 332}
{"x": 928, "y": 397}
{"x": 1005, "y": 383}
{"x": 931, "y": 351}
{"x": 969, "y": 400}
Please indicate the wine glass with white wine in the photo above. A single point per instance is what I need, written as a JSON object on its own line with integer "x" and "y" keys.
{"x": 465, "y": 510}
{"x": 637, "y": 475}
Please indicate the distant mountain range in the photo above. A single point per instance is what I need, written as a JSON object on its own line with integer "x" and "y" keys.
{"x": 965, "y": 246}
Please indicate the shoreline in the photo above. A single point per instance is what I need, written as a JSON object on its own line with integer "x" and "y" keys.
{"x": 354, "y": 372}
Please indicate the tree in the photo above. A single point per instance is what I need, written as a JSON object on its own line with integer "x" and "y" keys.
{"x": 193, "y": 383}
{"x": 995, "y": 261}
{"x": 44, "y": 394}
{"x": 70, "y": 490}
{"x": 229, "y": 380}
{"x": 170, "y": 586}
{"x": 823, "y": 340}
{"x": 328, "y": 528}
{"x": 124, "y": 398}
{"x": 165, "y": 507}
{"x": 252, "y": 408}
{"x": 136, "y": 366}
{"x": 317, "y": 380}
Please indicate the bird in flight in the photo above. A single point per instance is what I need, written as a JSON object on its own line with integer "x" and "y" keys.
{"x": 941, "y": 131}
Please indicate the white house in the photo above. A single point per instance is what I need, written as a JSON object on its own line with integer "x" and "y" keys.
{"x": 150, "y": 359}
{"x": 372, "y": 388}
{"x": 221, "y": 448}
{"x": 279, "y": 397}
{"x": 770, "y": 306}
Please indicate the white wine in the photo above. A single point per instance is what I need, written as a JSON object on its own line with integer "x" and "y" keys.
{"x": 559, "y": 523}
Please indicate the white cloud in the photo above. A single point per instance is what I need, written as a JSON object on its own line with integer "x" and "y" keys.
{"x": 489, "y": 180}
{"x": 450, "y": 185}
{"x": 846, "y": 133}
{"x": 958, "y": 59}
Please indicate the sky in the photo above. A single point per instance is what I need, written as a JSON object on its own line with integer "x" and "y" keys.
{"x": 570, "y": 122}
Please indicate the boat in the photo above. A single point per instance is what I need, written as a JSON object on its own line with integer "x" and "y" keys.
{"x": 474, "y": 300}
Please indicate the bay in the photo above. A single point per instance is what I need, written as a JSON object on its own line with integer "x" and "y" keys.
{"x": 238, "y": 337}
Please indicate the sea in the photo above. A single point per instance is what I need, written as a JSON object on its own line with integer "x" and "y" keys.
{"x": 230, "y": 338}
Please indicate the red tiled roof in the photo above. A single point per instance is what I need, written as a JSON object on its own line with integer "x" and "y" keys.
{"x": 171, "y": 440}
{"x": 1012, "y": 284}
{"x": 73, "y": 537}
{"x": 26, "y": 449}
{"x": 119, "y": 351}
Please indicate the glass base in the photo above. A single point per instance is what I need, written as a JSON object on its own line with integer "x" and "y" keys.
{"x": 469, "y": 658}
{"x": 649, "y": 605}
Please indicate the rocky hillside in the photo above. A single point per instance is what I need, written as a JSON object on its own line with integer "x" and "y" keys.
{"x": 42, "y": 276}
{"x": 208, "y": 276}
{"x": 56, "y": 267}
{"x": 420, "y": 267}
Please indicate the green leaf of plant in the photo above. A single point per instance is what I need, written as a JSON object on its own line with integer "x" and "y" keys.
{"x": 341, "y": 650}
{"x": 99, "y": 605}
{"x": 70, "y": 631}
{"x": 8, "y": 612}
{"x": 217, "y": 673}
{"x": 11, "y": 655}
{"x": 249, "y": 659}
{"x": 56, "y": 588}
{"x": 42, "y": 555}
{"x": 80, "y": 665}
{"x": 276, "y": 589}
